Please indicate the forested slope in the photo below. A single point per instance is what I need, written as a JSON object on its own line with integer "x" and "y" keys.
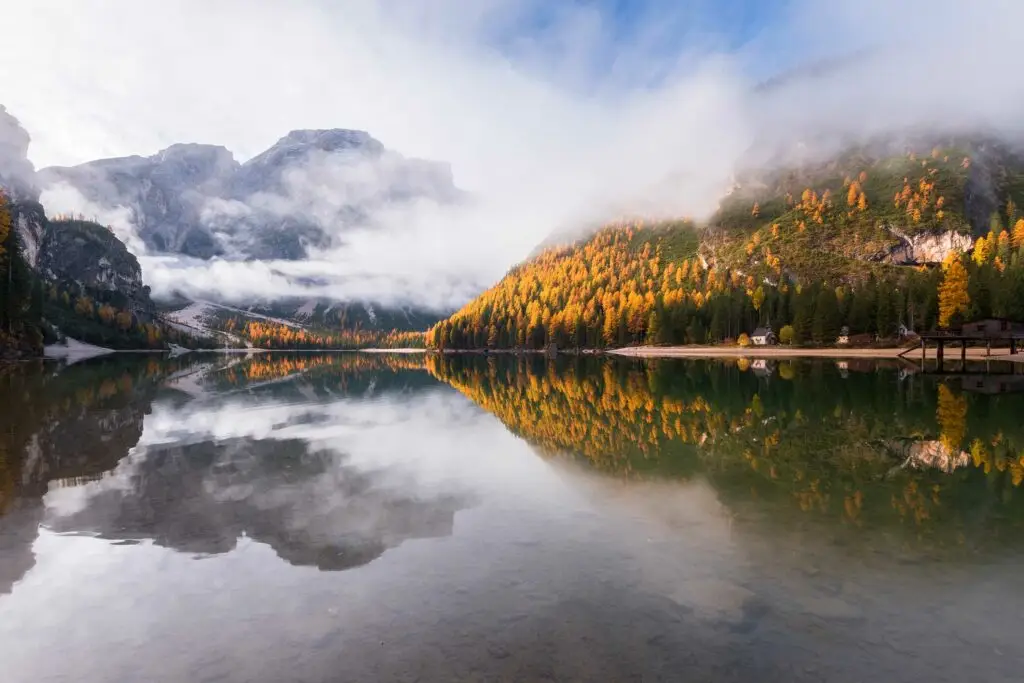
{"x": 924, "y": 236}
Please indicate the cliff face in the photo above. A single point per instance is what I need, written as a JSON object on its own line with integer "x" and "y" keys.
{"x": 928, "y": 248}
{"x": 87, "y": 257}
{"x": 75, "y": 257}
{"x": 18, "y": 181}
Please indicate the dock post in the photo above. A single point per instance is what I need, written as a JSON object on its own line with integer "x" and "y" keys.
{"x": 963, "y": 352}
{"x": 939, "y": 353}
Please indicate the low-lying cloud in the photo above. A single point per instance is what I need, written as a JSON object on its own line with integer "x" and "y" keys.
{"x": 534, "y": 132}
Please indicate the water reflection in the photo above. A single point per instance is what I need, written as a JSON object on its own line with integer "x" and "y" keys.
{"x": 358, "y": 517}
{"x": 847, "y": 443}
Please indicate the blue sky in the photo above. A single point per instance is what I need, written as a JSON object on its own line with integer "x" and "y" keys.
{"x": 760, "y": 34}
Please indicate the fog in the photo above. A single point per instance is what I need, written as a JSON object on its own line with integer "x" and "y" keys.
{"x": 549, "y": 126}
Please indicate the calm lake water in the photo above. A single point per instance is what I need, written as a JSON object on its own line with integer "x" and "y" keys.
{"x": 405, "y": 518}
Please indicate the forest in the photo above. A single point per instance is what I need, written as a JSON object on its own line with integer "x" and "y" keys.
{"x": 626, "y": 285}
{"x": 21, "y": 294}
{"x": 268, "y": 334}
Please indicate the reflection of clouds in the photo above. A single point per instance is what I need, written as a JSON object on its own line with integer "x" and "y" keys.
{"x": 203, "y": 477}
{"x": 75, "y": 445}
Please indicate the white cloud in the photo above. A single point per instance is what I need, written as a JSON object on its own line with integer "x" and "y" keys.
{"x": 64, "y": 200}
{"x": 539, "y": 142}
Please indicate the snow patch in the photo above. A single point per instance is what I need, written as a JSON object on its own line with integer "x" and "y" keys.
{"x": 258, "y": 316}
{"x": 193, "y": 315}
{"x": 73, "y": 350}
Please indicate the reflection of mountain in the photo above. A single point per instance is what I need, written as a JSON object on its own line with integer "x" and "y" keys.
{"x": 62, "y": 428}
{"x": 310, "y": 506}
{"x": 809, "y": 445}
{"x": 71, "y": 428}
{"x": 76, "y": 429}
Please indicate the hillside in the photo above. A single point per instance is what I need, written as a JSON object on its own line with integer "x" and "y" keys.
{"x": 62, "y": 278}
{"x": 864, "y": 240}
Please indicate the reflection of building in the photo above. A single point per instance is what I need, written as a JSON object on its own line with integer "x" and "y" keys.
{"x": 763, "y": 367}
{"x": 991, "y": 384}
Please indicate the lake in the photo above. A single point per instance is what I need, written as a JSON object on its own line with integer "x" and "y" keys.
{"x": 354, "y": 517}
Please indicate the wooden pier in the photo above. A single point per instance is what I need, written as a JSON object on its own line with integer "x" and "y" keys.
{"x": 942, "y": 339}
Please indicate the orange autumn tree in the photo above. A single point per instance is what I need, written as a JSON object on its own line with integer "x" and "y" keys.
{"x": 953, "y": 296}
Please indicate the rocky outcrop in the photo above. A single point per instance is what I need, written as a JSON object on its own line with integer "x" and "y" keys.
{"x": 87, "y": 257}
{"x": 163, "y": 192}
{"x": 926, "y": 248}
{"x": 197, "y": 200}
{"x": 18, "y": 181}
{"x": 17, "y": 175}
{"x": 79, "y": 255}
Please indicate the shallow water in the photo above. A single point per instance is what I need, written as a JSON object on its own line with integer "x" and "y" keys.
{"x": 355, "y": 518}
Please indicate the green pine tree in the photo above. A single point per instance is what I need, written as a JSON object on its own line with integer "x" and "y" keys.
{"x": 825, "y": 327}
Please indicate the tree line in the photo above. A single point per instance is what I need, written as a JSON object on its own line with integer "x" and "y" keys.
{"x": 621, "y": 288}
{"x": 21, "y": 293}
{"x": 267, "y": 334}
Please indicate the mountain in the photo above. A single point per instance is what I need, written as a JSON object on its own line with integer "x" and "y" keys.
{"x": 63, "y": 277}
{"x": 853, "y": 239}
{"x": 301, "y": 193}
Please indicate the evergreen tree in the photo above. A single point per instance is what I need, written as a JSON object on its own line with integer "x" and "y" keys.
{"x": 885, "y": 320}
{"x": 862, "y": 308}
{"x": 803, "y": 317}
{"x": 825, "y": 327}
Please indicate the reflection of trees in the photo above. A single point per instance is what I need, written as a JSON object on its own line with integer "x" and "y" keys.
{"x": 74, "y": 426}
{"x": 348, "y": 372}
{"x": 277, "y": 365}
{"x": 952, "y": 417}
{"x": 310, "y": 506}
{"x": 62, "y": 426}
{"x": 866, "y": 451}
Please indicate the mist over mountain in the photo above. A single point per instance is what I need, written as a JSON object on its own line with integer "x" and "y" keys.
{"x": 298, "y": 196}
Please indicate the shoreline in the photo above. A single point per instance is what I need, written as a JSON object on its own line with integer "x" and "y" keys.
{"x": 952, "y": 354}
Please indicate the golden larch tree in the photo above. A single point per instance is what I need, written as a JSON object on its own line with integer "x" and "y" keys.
{"x": 953, "y": 296}
{"x": 1018, "y": 233}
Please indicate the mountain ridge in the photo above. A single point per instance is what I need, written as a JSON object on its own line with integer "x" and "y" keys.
{"x": 198, "y": 200}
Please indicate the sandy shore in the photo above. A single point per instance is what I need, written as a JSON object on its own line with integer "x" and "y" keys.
{"x": 952, "y": 353}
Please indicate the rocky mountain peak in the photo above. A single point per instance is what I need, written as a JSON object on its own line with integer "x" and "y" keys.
{"x": 17, "y": 175}
{"x": 329, "y": 140}
{"x": 198, "y": 200}
{"x": 196, "y": 160}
